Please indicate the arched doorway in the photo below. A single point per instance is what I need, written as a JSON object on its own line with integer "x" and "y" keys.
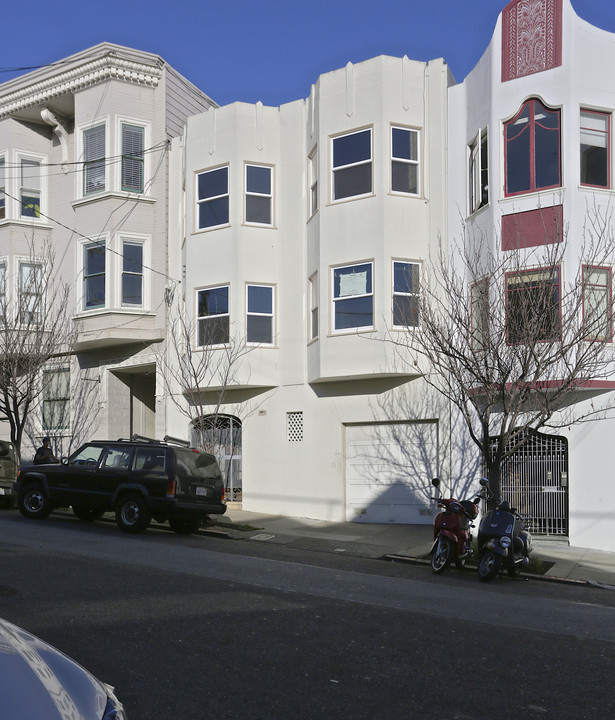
{"x": 221, "y": 436}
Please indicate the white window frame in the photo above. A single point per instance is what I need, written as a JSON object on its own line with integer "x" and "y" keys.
{"x": 127, "y": 122}
{"x": 597, "y": 134}
{"x": 270, "y": 315}
{"x": 348, "y": 295}
{"x": 22, "y": 263}
{"x": 3, "y": 198}
{"x": 258, "y": 195}
{"x": 41, "y": 190}
{"x": 313, "y": 314}
{"x": 604, "y": 291}
{"x": 313, "y": 182}
{"x": 478, "y": 171}
{"x": 101, "y": 123}
{"x": 145, "y": 244}
{"x": 3, "y": 289}
{"x": 103, "y": 242}
{"x": 199, "y": 318}
{"x": 405, "y": 294}
{"x": 198, "y": 201}
{"x": 349, "y": 166}
{"x": 411, "y": 162}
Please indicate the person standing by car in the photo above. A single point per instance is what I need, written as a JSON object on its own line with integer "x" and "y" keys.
{"x": 44, "y": 456}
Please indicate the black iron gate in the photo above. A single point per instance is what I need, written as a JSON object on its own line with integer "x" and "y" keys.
{"x": 535, "y": 481}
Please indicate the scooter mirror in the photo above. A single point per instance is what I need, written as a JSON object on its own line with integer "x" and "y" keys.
{"x": 484, "y": 482}
{"x": 435, "y": 482}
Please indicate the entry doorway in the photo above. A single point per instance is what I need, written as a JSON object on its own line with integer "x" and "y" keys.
{"x": 221, "y": 436}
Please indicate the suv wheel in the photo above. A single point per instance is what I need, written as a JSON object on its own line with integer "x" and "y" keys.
{"x": 32, "y": 501}
{"x": 132, "y": 514}
{"x": 185, "y": 526}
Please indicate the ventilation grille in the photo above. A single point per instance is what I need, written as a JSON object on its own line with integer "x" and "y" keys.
{"x": 294, "y": 426}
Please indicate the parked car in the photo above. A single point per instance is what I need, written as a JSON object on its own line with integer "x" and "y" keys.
{"x": 8, "y": 473}
{"x": 38, "y": 681}
{"x": 138, "y": 479}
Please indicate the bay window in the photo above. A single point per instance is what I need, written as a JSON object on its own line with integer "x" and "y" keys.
{"x": 353, "y": 297}
{"x": 30, "y": 293}
{"x": 406, "y": 294}
{"x": 213, "y": 322}
{"x": 595, "y": 149}
{"x": 132, "y": 273}
{"x": 404, "y": 161}
{"x": 132, "y": 158}
{"x": 212, "y": 198}
{"x": 352, "y": 165}
{"x": 533, "y": 306}
{"x": 259, "y": 195}
{"x": 30, "y": 188}
{"x": 94, "y": 275}
{"x": 94, "y": 175}
{"x": 260, "y": 303}
{"x": 597, "y": 303}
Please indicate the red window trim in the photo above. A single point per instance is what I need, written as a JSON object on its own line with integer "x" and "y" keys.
{"x": 608, "y": 146}
{"x": 531, "y": 125}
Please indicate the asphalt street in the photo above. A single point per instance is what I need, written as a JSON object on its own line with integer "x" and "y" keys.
{"x": 198, "y": 627}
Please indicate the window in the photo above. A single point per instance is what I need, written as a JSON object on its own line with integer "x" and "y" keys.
{"x": 595, "y": 149}
{"x": 352, "y": 165}
{"x": 30, "y": 293}
{"x": 132, "y": 158}
{"x": 597, "y": 303}
{"x": 94, "y": 160}
{"x": 532, "y": 149}
{"x": 213, "y": 316}
{"x": 313, "y": 181}
{"x": 480, "y": 314}
{"x": 212, "y": 198}
{"x": 260, "y": 314}
{"x": 2, "y": 292}
{"x": 313, "y": 295}
{"x": 132, "y": 273}
{"x": 406, "y": 294}
{"x": 404, "y": 161}
{"x": 533, "y": 306}
{"x": 353, "y": 297}
{"x": 30, "y": 188}
{"x": 2, "y": 189}
{"x": 56, "y": 399}
{"x": 259, "y": 195}
{"x": 117, "y": 457}
{"x": 478, "y": 181}
{"x": 94, "y": 256}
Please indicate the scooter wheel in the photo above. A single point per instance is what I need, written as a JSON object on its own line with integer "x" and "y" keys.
{"x": 442, "y": 555}
{"x": 489, "y": 565}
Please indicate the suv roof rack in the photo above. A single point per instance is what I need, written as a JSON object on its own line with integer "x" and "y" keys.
{"x": 176, "y": 441}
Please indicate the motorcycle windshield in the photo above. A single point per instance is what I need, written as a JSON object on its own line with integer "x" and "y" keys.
{"x": 497, "y": 522}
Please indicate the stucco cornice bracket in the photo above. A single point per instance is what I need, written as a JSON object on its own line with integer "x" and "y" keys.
{"x": 60, "y": 132}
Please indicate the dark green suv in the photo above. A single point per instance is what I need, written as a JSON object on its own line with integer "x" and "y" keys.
{"x": 138, "y": 479}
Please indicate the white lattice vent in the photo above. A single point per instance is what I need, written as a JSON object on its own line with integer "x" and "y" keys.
{"x": 294, "y": 426}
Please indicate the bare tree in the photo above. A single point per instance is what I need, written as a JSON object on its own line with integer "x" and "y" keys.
{"x": 35, "y": 327}
{"x": 510, "y": 341}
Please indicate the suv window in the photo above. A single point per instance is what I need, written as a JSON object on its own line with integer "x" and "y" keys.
{"x": 195, "y": 464}
{"x": 89, "y": 455}
{"x": 150, "y": 459}
{"x": 117, "y": 457}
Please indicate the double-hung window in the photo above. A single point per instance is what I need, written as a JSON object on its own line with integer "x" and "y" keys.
{"x": 353, "y": 297}
{"x": 94, "y": 175}
{"x": 132, "y": 273}
{"x": 213, "y": 322}
{"x": 30, "y": 293}
{"x": 259, "y": 195}
{"x": 406, "y": 294}
{"x": 595, "y": 149}
{"x": 30, "y": 188}
{"x": 404, "y": 161}
{"x": 56, "y": 399}
{"x": 132, "y": 158}
{"x": 478, "y": 180}
{"x": 532, "y": 149}
{"x": 313, "y": 182}
{"x": 597, "y": 303}
{"x": 313, "y": 298}
{"x": 352, "y": 165}
{"x": 479, "y": 312}
{"x": 533, "y": 306}
{"x": 212, "y": 198}
{"x": 2, "y": 188}
{"x": 3, "y": 307}
{"x": 260, "y": 320}
{"x": 94, "y": 275}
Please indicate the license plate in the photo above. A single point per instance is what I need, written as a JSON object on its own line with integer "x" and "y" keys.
{"x": 202, "y": 491}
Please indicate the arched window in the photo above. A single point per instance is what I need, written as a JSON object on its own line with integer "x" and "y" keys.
{"x": 532, "y": 149}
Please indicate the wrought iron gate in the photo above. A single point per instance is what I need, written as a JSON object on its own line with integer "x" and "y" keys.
{"x": 535, "y": 481}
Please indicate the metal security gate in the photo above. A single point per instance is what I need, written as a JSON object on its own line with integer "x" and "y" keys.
{"x": 535, "y": 481}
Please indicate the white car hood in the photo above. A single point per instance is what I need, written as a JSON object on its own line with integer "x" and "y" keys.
{"x": 38, "y": 681}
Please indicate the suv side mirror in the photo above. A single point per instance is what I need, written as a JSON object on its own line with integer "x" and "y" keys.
{"x": 435, "y": 482}
{"x": 484, "y": 482}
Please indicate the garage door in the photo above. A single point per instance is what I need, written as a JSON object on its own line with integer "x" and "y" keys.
{"x": 389, "y": 467}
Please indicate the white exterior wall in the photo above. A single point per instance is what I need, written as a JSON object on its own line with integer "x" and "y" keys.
{"x": 584, "y": 80}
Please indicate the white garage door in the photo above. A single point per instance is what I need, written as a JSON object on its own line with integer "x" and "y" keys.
{"x": 389, "y": 468}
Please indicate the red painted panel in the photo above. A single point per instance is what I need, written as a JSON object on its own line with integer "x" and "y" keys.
{"x": 534, "y": 227}
{"x": 531, "y": 37}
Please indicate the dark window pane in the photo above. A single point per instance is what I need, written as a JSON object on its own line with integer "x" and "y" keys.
{"x": 213, "y": 212}
{"x": 30, "y": 206}
{"x": 594, "y": 166}
{"x": 352, "y": 181}
{"x": 546, "y": 156}
{"x": 517, "y": 158}
{"x": 95, "y": 291}
{"x": 213, "y": 302}
{"x": 405, "y": 311}
{"x": 214, "y": 331}
{"x": 133, "y": 257}
{"x": 213, "y": 183}
{"x": 353, "y": 313}
{"x": 132, "y": 290}
{"x": 258, "y": 179}
{"x": 405, "y": 144}
{"x": 352, "y": 148}
{"x": 405, "y": 278}
{"x": 258, "y": 210}
{"x": 259, "y": 329}
{"x": 260, "y": 299}
{"x": 404, "y": 177}
{"x": 94, "y": 260}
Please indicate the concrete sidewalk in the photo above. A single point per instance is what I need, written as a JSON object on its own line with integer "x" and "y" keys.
{"x": 402, "y": 542}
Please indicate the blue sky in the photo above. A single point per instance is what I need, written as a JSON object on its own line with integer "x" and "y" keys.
{"x": 268, "y": 50}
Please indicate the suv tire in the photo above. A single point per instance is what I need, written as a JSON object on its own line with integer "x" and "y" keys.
{"x": 32, "y": 501}
{"x": 132, "y": 514}
{"x": 185, "y": 526}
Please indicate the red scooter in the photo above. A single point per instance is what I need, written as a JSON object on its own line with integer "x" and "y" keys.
{"x": 451, "y": 531}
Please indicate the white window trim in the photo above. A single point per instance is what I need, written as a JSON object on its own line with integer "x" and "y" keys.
{"x": 145, "y": 242}
{"x": 196, "y": 203}
{"x": 15, "y": 191}
{"x": 416, "y": 163}
{"x": 404, "y": 261}
{"x": 359, "y": 328}
{"x": 271, "y": 315}
{"x": 147, "y": 156}
{"x": 19, "y": 261}
{"x": 271, "y": 195}
{"x": 197, "y": 317}
{"x": 475, "y": 171}
{"x": 80, "y": 275}
{"x": 80, "y": 158}
{"x": 313, "y": 306}
{"x": 332, "y": 139}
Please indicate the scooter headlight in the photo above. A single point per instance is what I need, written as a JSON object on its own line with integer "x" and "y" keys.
{"x": 505, "y": 541}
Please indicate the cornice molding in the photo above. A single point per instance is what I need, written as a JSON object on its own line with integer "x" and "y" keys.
{"x": 109, "y": 67}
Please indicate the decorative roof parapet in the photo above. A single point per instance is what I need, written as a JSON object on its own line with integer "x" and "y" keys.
{"x": 109, "y": 67}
